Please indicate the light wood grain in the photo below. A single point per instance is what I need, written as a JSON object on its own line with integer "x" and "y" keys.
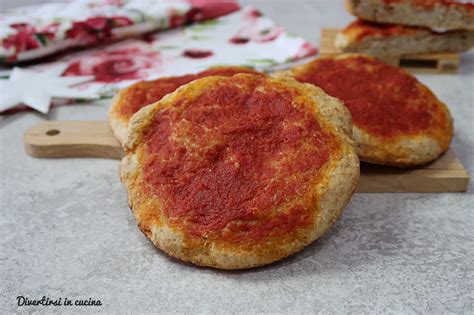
{"x": 427, "y": 63}
{"x": 58, "y": 139}
{"x": 446, "y": 174}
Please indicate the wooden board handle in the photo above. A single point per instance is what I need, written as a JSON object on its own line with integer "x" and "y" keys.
{"x": 58, "y": 139}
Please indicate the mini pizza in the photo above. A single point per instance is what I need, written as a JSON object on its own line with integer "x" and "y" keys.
{"x": 397, "y": 120}
{"x": 395, "y": 40}
{"x": 435, "y": 14}
{"x": 129, "y": 100}
{"x": 237, "y": 172}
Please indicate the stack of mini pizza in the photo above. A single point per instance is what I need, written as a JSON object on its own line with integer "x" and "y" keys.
{"x": 232, "y": 168}
{"x": 401, "y": 27}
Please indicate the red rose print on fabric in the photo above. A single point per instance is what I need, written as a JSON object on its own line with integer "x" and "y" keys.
{"x": 253, "y": 14}
{"x": 23, "y": 40}
{"x": 239, "y": 40}
{"x": 252, "y": 32}
{"x": 176, "y": 19}
{"x": 51, "y": 30}
{"x": 197, "y": 53}
{"x": 119, "y": 21}
{"x": 129, "y": 63}
{"x": 203, "y": 10}
{"x": 210, "y": 9}
{"x": 257, "y": 36}
{"x": 97, "y": 28}
{"x": 28, "y": 37}
{"x": 306, "y": 50}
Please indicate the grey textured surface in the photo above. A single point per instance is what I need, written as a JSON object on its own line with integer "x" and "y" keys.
{"x": 66, "y": 230}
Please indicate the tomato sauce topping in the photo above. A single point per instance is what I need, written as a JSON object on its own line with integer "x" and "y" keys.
{"x": 363, "y": 29}
{"x": 382, "y": 99}
{"x": 237, "y": 161}
{"x": 431, "y": 3}
{"x": 147, "y": 92}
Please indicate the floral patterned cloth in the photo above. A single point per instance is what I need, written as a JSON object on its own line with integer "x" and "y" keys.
{"x": 244, "y": 38}
{"x": 37, "y": 31}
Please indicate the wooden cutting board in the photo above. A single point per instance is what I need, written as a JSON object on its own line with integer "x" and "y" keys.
{"x": 60, "y": 139}
{"x": 427, "y": 63}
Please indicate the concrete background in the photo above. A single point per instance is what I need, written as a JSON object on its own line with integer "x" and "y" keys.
{"x": 66, "y": 230}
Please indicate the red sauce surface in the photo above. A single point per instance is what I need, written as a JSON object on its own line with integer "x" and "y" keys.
{"x": 431, "y": 3}
{"x": 147, "y": 92}
{"x": 363, "y": 29}
{"x": 382, "y": 99}
{"x": 224, "y": 163}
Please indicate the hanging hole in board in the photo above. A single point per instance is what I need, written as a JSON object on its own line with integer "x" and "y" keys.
{"x": 52, "y": 132}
